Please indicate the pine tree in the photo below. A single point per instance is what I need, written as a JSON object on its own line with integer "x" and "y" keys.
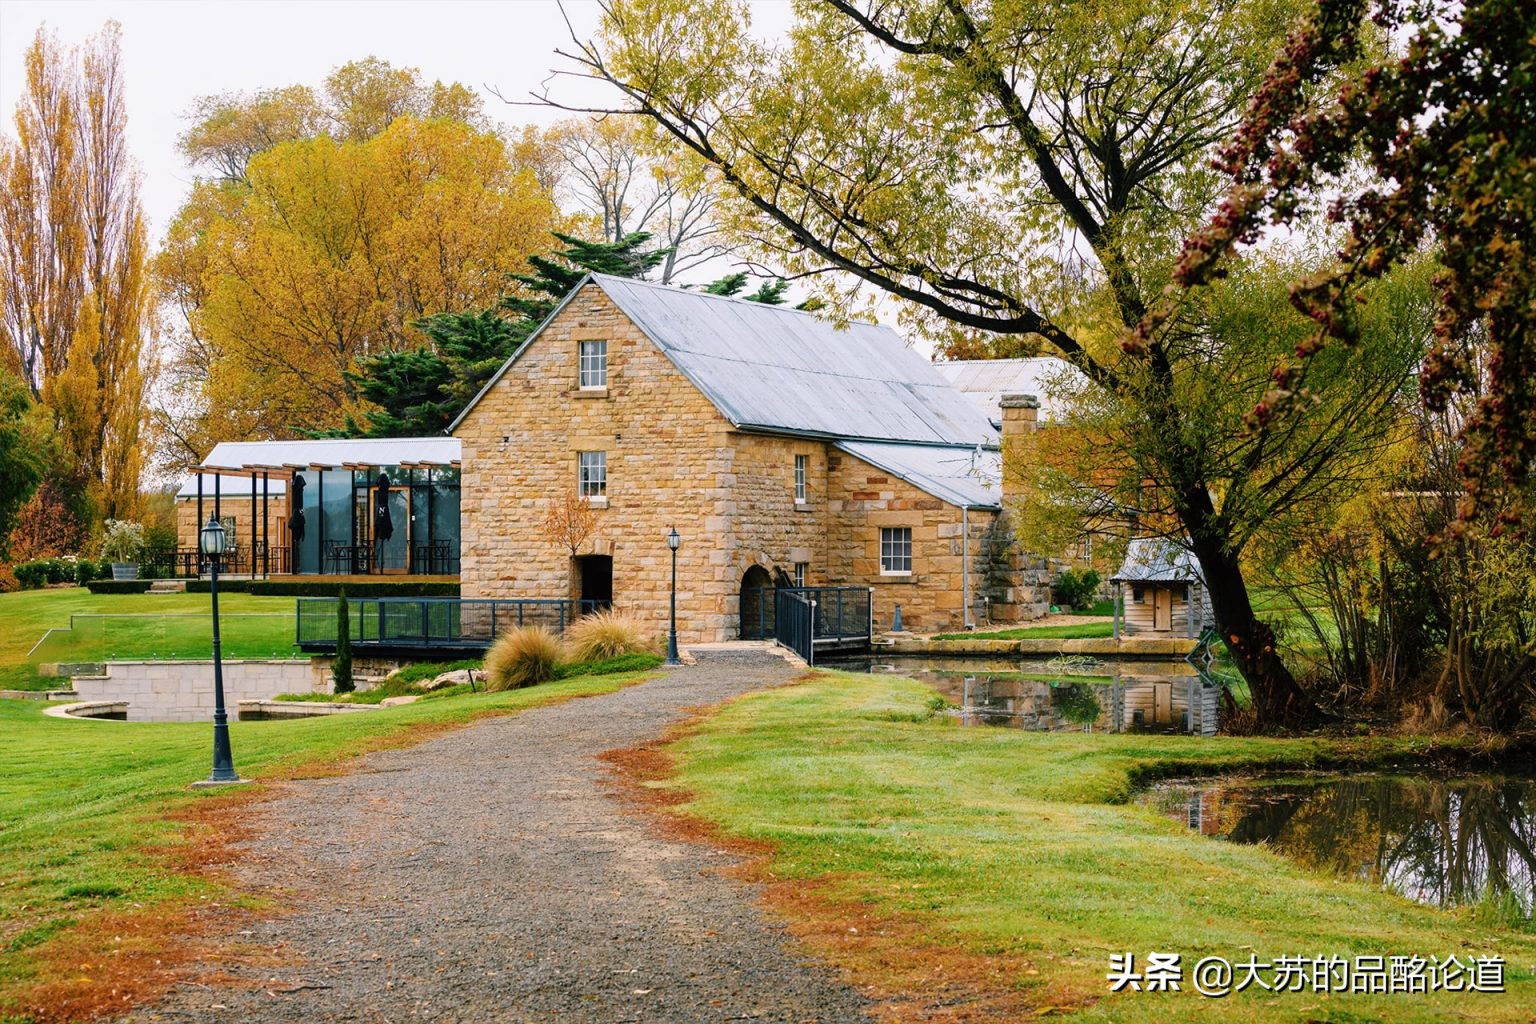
{"x": 341, "y": 668}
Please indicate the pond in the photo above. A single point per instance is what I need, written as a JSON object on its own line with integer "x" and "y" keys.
{"x": 1064, "y": 694}
{"x": 1442, "y": 842}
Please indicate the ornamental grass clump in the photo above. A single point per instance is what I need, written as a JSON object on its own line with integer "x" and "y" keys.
{"x": 605, "y": 634}
{"x": 523, "y": 657}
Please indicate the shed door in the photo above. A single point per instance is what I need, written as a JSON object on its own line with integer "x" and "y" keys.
{"x": 1162, "y": 608}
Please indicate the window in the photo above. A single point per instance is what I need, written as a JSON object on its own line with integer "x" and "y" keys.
{"x": 594, "y": 364}
{"x": 800, "y": 461}
{"x": 800, "y": 568}
{"x": 895, "y": 550}
{"x": 593, "y": 475}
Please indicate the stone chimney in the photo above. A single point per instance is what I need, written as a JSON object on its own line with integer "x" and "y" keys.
{"x": 1021, "y": 417}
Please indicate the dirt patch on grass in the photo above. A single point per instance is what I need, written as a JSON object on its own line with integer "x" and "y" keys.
{"x": 913, "y": 974}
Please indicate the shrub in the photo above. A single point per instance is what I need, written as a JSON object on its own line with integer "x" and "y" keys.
{"x": 8, "y": 580}
{"x": 85, "y": 571}
{"x": 123, "y": 542}
{"x": 523, "y": 657}
{"x": 341, "y": 668}
{"x": 605, "y": 634}
{"x": 46, "y": 570}
{"x": 1074, "y": 589}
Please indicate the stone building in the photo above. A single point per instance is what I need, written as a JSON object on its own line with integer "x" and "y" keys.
{"x": 784, "y": 450}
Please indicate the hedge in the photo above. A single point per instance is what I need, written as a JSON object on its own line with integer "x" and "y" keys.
{"x": 119, "y": 586}
{"x": 59, "y": 570}
{"x": 290, "y": 587}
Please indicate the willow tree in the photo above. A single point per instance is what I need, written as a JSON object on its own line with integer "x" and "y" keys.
{"x": 1011, "y": 170}
{"x": 75, "y": 300}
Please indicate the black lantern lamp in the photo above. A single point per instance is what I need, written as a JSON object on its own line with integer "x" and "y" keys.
{"x": 674, "y": 541}
{"x": 213, "y": 543}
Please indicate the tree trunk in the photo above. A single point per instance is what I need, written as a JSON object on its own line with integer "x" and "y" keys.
{"x": 1277, "y": 700}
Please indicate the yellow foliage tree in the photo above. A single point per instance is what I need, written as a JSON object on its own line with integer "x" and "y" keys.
{"x": 75, "y": 306}
{"x": 329, "y": 253}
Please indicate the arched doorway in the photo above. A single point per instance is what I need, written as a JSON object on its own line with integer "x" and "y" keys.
{"x": 595, "y": 575}
{"x": 756, "y": 604}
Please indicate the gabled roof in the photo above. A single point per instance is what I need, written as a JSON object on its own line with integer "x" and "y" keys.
{"x": 986, "y": 381}
{"x": 778, "y": 370}
{"x": 1156, "y": 560}
{"x": 332, "y": 453}
{"x": 967, "y": 477}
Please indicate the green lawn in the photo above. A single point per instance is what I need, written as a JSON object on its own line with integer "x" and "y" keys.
{"x": 84, "y": 805}
{"x": 1020, "y": 847}
{"x": 134, "y": 626}
{"x": 1086, "y": 630}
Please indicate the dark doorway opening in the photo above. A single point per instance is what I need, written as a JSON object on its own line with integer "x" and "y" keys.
{"x": 756, "y": 604}
{"x": 596, "y": 575}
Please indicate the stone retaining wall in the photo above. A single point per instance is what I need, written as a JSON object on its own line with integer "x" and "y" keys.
{"x": 182, "y": 691}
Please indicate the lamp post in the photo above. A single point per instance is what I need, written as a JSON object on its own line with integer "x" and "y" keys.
{"x": 212, "y": 541}
{"x": 674, "y": 542}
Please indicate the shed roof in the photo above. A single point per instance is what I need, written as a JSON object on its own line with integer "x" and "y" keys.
{"x": 967, "y": 477}
{"x": 332, "y": 453}
{"x": 1157, "y": 560}
{"x": 780, "y": 370}
{"x": 986, "y": 381}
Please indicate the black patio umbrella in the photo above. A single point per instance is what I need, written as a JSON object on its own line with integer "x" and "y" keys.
{"x": 296, "y": 506}
{"x": 383, "y": 525}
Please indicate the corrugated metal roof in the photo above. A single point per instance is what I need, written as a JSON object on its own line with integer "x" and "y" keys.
{"x": 1155, "y": 560}
{"x": 775, "y": 368}
{"x": 985, "y": 381}
{"x": 961, "y": 476}
{"x": 334, "y": 452}
{"x": 233, "y": 487}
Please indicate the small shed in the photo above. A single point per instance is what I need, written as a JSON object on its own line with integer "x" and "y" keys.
{"x": 1159, "y": 591}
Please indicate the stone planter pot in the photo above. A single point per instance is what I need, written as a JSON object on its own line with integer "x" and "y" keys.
{"x": 125, "y": 570}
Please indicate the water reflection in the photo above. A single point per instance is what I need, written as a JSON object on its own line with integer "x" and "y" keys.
{"x": 1440, "y": 842}
{"x": 1067, "y": 694}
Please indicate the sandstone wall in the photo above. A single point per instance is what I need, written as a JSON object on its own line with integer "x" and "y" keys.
{"x": 932, "y": 597}
{"x": 669, "y": 464}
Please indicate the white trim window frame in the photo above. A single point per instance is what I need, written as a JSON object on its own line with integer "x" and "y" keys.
{"x": 801, "y": 464}
{"x": 592, "y": 474}
{"x": 800, "y": 568}
{"x": 592, "y": 360}
{"x": 895, "y": 551}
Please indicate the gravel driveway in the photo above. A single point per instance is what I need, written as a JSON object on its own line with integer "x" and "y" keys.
{"x": 490, "y": 875}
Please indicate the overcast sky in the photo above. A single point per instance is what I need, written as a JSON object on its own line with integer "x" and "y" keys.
{"x": 177, "y": 50}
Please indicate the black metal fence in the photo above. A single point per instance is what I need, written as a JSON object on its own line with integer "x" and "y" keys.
{"x": 430, "y": 623}
{"x": 834, "y": 617}
{"x": 795, "y": 623}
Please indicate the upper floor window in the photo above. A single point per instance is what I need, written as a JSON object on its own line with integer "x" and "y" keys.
{"x": 800, "y": 462}
{"x": 594, "y": 364}
{"x": 895, "y": 550}
{"x": 592, "y": 480}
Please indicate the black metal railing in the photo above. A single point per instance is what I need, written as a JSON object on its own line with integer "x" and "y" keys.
{"x": 428, "y": 623}
{"x": 795, "y": 623}
{"x": 836, "y": 617}
{"x": 757, "y": 613}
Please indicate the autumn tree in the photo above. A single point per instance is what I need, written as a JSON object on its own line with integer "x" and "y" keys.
{"x": 1013, "y": 170}
{"x": 27, "y": 450}
{"x": 328, "y": 255}
{"x": 75, "y": 306}
{"x": 357, "y": 101}
{"x": 1446, "y": 133}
